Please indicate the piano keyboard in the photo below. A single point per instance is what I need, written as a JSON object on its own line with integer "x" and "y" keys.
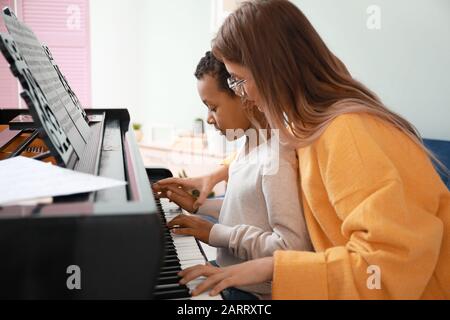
{"x": 181, "y": 252}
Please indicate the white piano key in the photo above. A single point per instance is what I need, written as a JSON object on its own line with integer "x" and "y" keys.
{"x": 190, "y": 259}
{"x": 185, "y": 245}
{"x": 206, "y": 296}
{"x": 184, "y": 242}
{"x": 185, "y": 265}
{"x": 187, "y": 254}
{"x": 187, "y": 250}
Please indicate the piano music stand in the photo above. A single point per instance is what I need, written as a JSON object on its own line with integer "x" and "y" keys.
{"x": 53, "y": 105}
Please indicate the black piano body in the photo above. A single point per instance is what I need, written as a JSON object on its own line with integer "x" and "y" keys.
{"x": 113, "y": 236}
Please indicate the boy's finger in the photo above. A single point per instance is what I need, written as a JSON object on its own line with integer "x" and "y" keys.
{"x": 183, "y": 201}
{"x": 178, "y": 220}
{"x": 161, "y": 194}
{"x": 178, "y": 191}
{"x": 177, "y": 182}
{"x": 168, "y": 181}
{"x": 184, "y": 231}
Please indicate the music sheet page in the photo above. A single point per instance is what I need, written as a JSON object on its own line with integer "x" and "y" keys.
{"x": 26, "y": 179}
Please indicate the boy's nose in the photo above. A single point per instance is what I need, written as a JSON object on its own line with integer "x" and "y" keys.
{"x": 210, "y": 120}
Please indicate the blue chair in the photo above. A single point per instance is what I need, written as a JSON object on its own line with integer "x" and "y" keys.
{"x": 442, "y": 151}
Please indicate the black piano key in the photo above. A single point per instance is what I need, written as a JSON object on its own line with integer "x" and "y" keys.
{"x": 171, "y": 268}
{"x": 170, "y": 273}
{"x": 169, "y": 279}
{"x": 171, "y": 262}
{"x": 166, "y": 258}
{"x": 178, "y": 293}
{"x": 168, "y": 286}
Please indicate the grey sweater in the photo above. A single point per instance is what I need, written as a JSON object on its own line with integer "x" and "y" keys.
{"x": 261, "y": 211}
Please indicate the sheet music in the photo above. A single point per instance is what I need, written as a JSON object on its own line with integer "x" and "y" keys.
{"x": 69, "y": 116}
{"x": 25, "y": 179}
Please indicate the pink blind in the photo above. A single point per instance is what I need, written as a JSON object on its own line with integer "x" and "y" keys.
{"x": 8, "y": 84}
{"x": 63, "y": 26}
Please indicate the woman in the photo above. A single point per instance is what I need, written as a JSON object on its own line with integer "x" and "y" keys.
{"x": 376, "y": 210}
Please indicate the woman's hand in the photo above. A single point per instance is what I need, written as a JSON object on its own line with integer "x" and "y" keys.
{"x": 191, "y": 226}
{"x": 244, "y": 274}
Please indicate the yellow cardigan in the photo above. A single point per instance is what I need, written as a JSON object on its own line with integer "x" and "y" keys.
{"x": 376, "y": 210}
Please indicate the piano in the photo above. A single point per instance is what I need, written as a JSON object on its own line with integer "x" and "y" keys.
{"x": 116, "y": 238}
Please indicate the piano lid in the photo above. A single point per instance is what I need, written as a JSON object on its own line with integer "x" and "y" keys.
{"x": 52, "y": 103}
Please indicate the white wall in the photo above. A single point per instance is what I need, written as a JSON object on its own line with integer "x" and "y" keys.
{"x": 406, "y": 62}
{"x": 144, "y": 53}
{"x": 114, "y": 56}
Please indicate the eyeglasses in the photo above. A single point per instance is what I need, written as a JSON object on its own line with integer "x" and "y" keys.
{"x": 238, "y": 87}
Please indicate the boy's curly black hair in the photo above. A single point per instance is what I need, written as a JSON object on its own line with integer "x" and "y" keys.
{"x": 209, "y": 65}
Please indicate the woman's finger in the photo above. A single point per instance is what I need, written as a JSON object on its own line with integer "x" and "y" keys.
{"x": 197, "y": 271}
{"x": 200, "y": 200}
{"x": 205, "y": 192}
{"x": 209, "y": 283}
{"x": 222, "y": 285}
{"x": 190, "y": 269}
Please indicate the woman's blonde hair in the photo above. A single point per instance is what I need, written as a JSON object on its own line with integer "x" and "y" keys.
{"x": 303, "y": 85}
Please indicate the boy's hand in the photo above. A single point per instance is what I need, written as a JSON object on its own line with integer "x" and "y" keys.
{"x": 200, "y": 187}
{"x": 191, "y": 226}
{"x": 181, "y": 197}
